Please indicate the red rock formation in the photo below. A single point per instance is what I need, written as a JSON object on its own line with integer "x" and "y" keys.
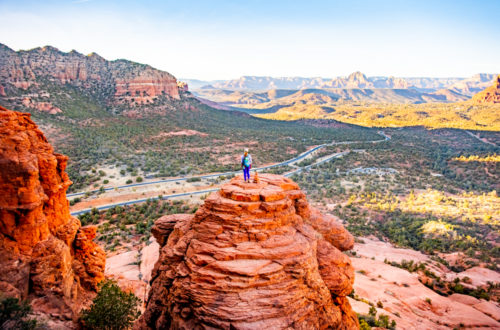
{"x": 115, "y": 81}
{"x": 41, "y": 106}
{"x": 254, "y": 256}
{"x": 146, "y": 85}
{"x": 45, "y": 254}
{"x": 490, "y": 94}
{"x": 183, "y": 86}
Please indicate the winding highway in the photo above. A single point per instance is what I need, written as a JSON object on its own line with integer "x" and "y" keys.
{"x": 207, "y": 176}
{"x": 200, "y": 192}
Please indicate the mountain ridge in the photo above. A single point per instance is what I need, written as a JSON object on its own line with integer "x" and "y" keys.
{"x": 28, "y": 75}
{"x": 269, "y": 98}
{"x": 354, "y": 80}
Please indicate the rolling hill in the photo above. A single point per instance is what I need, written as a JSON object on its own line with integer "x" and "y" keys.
{"x": 274, "y": 97}
{"x": 379, "y": 107}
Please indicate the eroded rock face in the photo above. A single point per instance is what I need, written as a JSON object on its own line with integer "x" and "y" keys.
{"x": 254, "y": 256}
{"x": 490, "y": 94}
{"x": 116, "y": 82}
{"x": 45, "y": 254}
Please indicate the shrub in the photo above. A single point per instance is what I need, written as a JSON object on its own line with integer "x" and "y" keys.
{"x": 111, "y": 309}
{"x": 138, "y": 179}
{"x": 14, "y": 315}
{"x": 74, "y": 201}
{"x": 363, "y": 325}
{"x": 129, "y": 181}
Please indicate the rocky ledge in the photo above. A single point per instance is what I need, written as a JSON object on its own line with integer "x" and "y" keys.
{"x": 254, "y": 256}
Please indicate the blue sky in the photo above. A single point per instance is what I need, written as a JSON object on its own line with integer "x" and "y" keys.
{"x": 226, "y": 39}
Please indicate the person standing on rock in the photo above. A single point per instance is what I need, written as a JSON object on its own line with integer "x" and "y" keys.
{"x": 246, "y": 165}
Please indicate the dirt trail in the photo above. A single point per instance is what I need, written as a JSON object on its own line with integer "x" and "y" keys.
{"x": 484, "y": 140}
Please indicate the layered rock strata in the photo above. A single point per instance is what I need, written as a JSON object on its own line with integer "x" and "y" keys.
{"x": 115, "y": 82}
{"x": 254, "y": 256}
{"x": 45, "y": 254}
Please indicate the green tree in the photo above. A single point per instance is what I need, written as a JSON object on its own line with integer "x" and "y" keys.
{"x": 112, "y": 308}
{"x": 14, "y": 315}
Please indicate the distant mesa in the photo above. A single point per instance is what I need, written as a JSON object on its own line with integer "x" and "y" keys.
{"x": 490, "y": 94}
{"x": 46, "y": 256}
{"x": 254, "y": 256}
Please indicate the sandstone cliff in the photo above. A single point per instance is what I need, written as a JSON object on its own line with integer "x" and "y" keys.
{"x": 490, "y": 94}
{"x": 45, "y": 254}
{"x": 254, "y": 256}
{"x": 112, "y": 82}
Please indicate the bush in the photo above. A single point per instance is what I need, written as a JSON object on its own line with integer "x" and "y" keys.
{"x": 112, "y": 309}
{"x": 138, "y": 179}
{"x": 371, "y": 320}
{"x": 74, "y": 201}
{"x": 363, "y": 325}
{"x": 193, "y": 180}
{"x": 14, "y": 315}
{"x": 129, "y": 181}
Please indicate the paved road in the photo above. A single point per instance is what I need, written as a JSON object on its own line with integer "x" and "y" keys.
{"x": 336, "y": 155}
{"x": 288, "y": 162}
{"x": 135, "y": 201}
{"x": 293, "y": 160}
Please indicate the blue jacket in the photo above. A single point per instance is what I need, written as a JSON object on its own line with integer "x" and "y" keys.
{"x": 243, "y": 157}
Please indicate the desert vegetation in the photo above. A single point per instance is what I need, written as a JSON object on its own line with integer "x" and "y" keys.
{"x": 430, "y": 202}
{"x": 475, "y": 158}
{"x": 15, "y": 314}
{"x": 111, "y": 309}
{"x": 432, "y": 115}
{"x": 92, "y": 135}
{"x": 120, "y": 228}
